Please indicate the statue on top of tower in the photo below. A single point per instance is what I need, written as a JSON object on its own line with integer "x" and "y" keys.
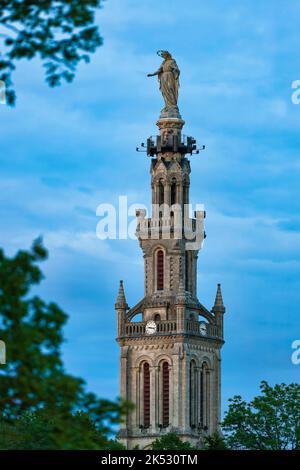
{"x": 168, "y": 76}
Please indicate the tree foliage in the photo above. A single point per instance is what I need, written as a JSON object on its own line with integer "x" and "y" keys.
{"x": 270, "y": 421}
{"x": 34, "y": 385}
{"x": 61, "y": 33}
{"x": 42, "y": 431}
{"x": 214, "y": 442}
{"x": 170, "y": 441}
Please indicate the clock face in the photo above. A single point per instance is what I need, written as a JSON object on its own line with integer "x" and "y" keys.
{"x": 203, "y": 329}
{"x": 151, "y": 327}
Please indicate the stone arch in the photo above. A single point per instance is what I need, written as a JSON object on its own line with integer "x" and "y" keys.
{"x": 142, "y": 359}
{"x": 207, "y": 360}
{"x": 158, "y": 247}
{"x": 206, "y": 314}
{"x": 195, "y": 357}
{"x": 161, "y": 176}
{"x": 163, "y": 357}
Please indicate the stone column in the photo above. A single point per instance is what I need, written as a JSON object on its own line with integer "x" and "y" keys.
{"x": 217, "y": 391}
{"x": 138, "y": 417}
{"x": 180, "y": 318}
{"x": 167, "y": 199}
{"x": 179, "y": 194}
{"x": 153, "y": 188}
{"x": 175, "y": 387}
{"x": 152, "y": 398}
{"x": 185, "y": 393}
{"x": 123, "y": 380}
{"x": 157, "y": 396}
{"x": 197, "y": 396}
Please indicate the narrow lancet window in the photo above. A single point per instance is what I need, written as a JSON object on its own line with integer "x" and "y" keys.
{"x": 161, "y": 192}
{"x": 173, "y": 193}
{"x": 165, "y": 394}
{"x": 146, "y": 376}
{"x": 160, "y": 270}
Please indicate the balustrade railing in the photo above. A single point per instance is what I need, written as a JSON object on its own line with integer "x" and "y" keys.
{"x": 201, "y": 328}
{"x": 164, "y": 327}
{"x": 145, "y": 227}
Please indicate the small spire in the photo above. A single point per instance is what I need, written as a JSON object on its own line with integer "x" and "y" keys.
{"x": 121, "y": 299}
{"x": 181, "y": 294}
{"x": 218, "y": 306}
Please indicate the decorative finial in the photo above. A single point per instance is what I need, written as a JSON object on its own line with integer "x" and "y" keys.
{"x": 121, "y": 300}
{"x": 218, "y": 305}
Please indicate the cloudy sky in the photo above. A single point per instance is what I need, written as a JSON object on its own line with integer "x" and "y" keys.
{"x": 65, "y": 151}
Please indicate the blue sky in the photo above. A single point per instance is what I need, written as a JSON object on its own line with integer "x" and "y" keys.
{"x": 64, "y": 151}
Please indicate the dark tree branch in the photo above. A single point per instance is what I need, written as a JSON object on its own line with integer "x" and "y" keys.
{"x": 10, "y": 27}
{"x": 62, "y": 33}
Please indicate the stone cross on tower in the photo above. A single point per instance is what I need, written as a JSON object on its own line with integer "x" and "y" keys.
{"x": 170, "y": 360}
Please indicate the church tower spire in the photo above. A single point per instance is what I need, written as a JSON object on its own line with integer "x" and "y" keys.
{"x": 170, "y": 360}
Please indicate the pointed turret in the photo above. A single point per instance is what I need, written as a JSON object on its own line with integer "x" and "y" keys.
{"x": 121, "y": 307}
{"x": 219, "y": 310}
{"x": 218, "y": 305}
{"x": 121, "y": 299}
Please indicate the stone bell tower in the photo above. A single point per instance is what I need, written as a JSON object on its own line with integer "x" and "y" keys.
{"x": 170, "y": 360}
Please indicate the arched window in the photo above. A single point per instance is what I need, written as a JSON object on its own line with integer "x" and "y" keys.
{"x": 146, "y": 394}
{"x": 160, "y": 270}
{"x": 165, "y": 394}
{"x": 204, "y": 396}
{"x": 193, "y": 395}
{"x": 173, "y": 192}
{"x": 157, "y": 317}
{"x": 161, "y": 192}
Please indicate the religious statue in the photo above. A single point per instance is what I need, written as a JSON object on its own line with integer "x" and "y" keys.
{"x": 168, "y": 76}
